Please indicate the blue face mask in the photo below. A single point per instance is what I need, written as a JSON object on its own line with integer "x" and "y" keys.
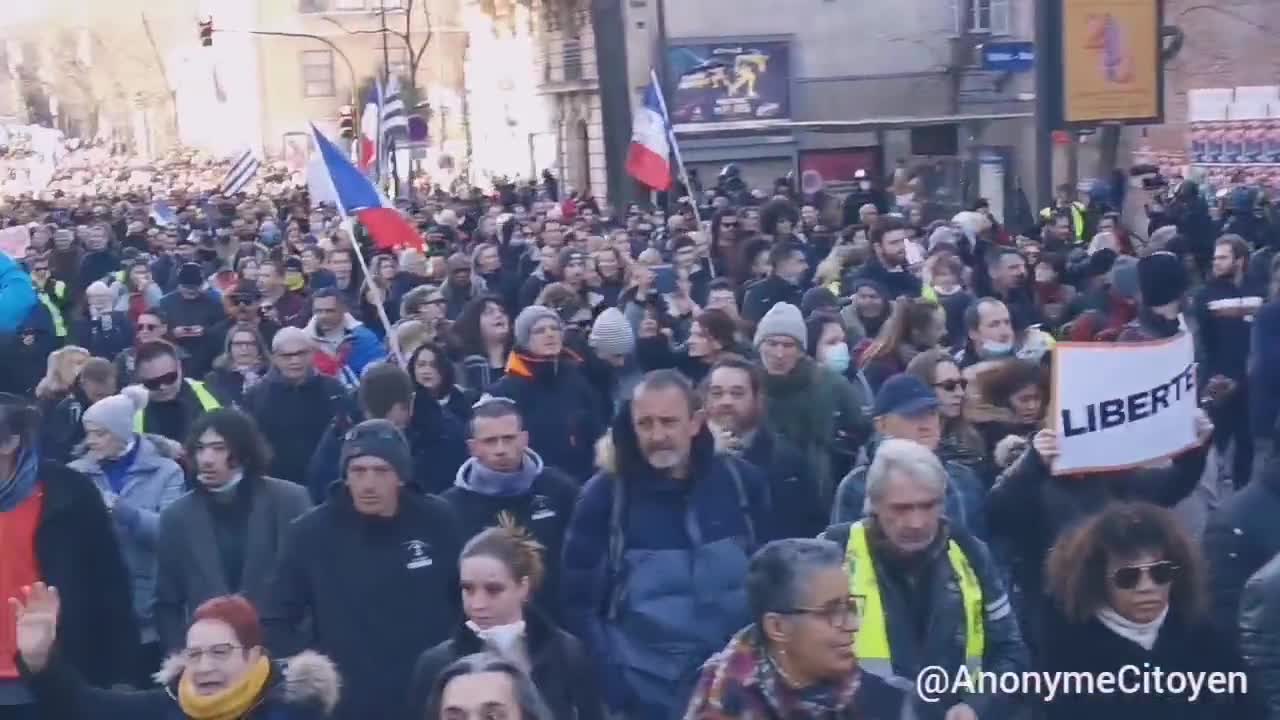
{"x": 837, "y": 358}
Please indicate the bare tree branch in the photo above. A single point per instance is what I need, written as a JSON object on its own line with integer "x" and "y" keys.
{"x": 349, "y": 31}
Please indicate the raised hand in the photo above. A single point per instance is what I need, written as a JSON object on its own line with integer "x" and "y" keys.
{"x": 36, "y": 616}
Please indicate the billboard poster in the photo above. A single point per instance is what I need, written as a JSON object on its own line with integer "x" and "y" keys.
{"x": 730, "y": 82}
{"x": 1111, "y": 61}
{"x": 833, "y": 170}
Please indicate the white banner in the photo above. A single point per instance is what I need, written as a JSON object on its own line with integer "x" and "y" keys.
{"x": 1122, "y": 405}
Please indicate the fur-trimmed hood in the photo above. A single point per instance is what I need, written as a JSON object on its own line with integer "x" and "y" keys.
{"x": 307, "y": 678}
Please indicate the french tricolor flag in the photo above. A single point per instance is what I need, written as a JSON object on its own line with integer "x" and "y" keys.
{"x": 332, "y": 177}
{"x": 649, "y": 160}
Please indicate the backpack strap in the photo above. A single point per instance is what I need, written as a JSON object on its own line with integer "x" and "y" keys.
{"x": 744, "y": 503}
{"x": 617, "y": 545}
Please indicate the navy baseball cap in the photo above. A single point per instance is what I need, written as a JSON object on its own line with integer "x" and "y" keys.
{"x": 905, "y": 395}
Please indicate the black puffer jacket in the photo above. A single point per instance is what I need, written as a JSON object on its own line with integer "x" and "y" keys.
{"x": 1242, "y": 535}
{"x": 293, "y": 418}
{"x": 377, "y": 593}
{"x": 561, "y": 410}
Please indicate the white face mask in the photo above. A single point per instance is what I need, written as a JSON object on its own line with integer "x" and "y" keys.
{"x": 865, "y": 184}
{"x": 993, "y": 349}
{"x": 837, "y": 358}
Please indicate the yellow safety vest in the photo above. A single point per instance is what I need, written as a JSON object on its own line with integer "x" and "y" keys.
{"x": 1077, "y": 219}
{"x": 207, "y": 402}
{"x": 871, "y": 645}
{"x": 59, "y": 289}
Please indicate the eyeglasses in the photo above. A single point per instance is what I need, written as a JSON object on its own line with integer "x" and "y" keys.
{"x": 147, "y": 326}
{"x": 1161, "y": 572}
{"x": 952, "y": 385}
{"x": 842, "y": 614}
{"x": 728, "y": 225}
{"x": 217, "y": 653}
{"x": 242, "y": 300}
{"x": 160, "y": 381}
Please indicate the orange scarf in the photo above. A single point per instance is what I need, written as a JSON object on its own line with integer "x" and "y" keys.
{"x": 231, "y": 704}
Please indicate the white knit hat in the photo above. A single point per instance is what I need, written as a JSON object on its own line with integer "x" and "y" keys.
{"x": 782, "y": 319}
{"x": 611, "y": 334}
{"x": 115, "y": 414}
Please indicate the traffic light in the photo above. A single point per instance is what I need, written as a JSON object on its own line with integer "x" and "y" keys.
{"x": 206, "y": 32}
{"x": 346, "y": 122}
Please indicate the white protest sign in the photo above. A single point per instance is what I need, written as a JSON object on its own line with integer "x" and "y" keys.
{"x": 14, "y": 241}
{"x": 1122, "y": 405}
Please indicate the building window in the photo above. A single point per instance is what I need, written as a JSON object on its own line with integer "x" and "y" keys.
{"x": 313, "y": 6}
{"x": 317, "y": 73}
{"x": 571, "y": 53}
{"x": 982, "y": 16}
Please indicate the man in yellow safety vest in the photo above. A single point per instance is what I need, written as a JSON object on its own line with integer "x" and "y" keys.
{"x": 1065, "y": 204}
{"x": 932, "y": 596}
{"x": 52, "y": 294}
{"x": 174, "y": 402}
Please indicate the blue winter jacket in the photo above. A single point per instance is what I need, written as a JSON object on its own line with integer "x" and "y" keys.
{"x": 623, "y": 617}
{"x": 17, "y": 296}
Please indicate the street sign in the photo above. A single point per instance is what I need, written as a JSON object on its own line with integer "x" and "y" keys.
{"x": 1012, "y": 57}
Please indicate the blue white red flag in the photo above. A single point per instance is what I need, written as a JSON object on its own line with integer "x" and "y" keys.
{"x": 357, "y": 198}
{"x": 649, "y": 160}
{"x": 371, "y": 130}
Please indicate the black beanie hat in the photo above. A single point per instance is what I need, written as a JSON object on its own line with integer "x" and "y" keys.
{"x": 1162, "y": 279}
{"x": 380, "y": 439}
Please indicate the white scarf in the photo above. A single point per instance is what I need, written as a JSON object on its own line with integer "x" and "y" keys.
{"x": 506, "y": 640}
{"x": 1143, "y": 634}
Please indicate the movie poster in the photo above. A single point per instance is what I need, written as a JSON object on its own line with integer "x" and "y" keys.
{"x": 730, "y": 82}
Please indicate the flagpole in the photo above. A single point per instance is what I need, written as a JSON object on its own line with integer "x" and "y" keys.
{"x": 392, "y": 342}
{"x": 675, "y": 150}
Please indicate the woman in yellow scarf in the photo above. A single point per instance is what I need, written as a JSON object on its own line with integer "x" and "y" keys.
{"x": 222, "y": 674}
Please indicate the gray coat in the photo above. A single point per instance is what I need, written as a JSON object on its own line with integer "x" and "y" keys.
{"x": 190, "y": 569}
{"x": 151, "y": 484}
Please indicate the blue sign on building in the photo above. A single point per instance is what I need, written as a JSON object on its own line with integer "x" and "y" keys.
{"x": 1014, "y": 57}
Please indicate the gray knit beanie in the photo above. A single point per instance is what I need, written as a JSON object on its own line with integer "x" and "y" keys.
{"x": 529, "y": 317}
{"x": 782, "y": 319}
{"x": 380, "y": 439}
{"x": 611, "y": 334}
{"x": 115, "y": 414}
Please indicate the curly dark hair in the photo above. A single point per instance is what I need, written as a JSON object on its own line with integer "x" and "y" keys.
{"x": 1077, "y": 565}
{"x": 466, "y": 329}
{"x": 247, "y": 445}
{"x": 999, "y": 384}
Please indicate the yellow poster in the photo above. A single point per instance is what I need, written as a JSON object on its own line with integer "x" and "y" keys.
{"x": 1111, "y": 60}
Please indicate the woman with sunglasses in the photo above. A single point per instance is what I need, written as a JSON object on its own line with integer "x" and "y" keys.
{"x": 796, "y": 659}
{"x": 961, "y": 442}
{"x": 1128, "y": 589}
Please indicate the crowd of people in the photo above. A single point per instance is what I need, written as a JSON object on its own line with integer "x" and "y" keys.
{"x": 568, "y": 460}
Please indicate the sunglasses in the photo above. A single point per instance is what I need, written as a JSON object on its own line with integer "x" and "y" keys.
{"x": 952, "y": 385}
{"x": 1161, "y": 573}
{"x": 160, "y": 381}
{"x": 148, "y": 326}
{"x": 242, "y": 300}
